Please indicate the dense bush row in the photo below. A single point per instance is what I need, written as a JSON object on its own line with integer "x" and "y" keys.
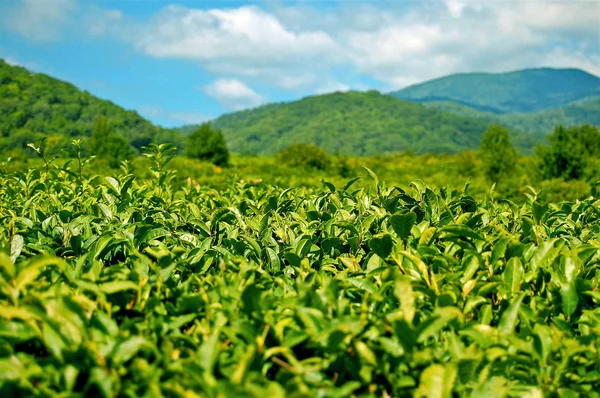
{"x": 116, "y": 286}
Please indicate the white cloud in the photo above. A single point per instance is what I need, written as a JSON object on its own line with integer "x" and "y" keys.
{"x": 332, "y": 87}
{"x": 16, "y": 62}
{"x": 303, "y": 47}
{"x": 560, "y": 58}
{"x": 150, "y": 110}
{"x": 100, "y": 22}
{"x": 40, "y": 20}
{"x": 11, "y": 61}
{"x": 246, "y": 40}
{"x": 466, "y": 36}
{"x": 455, "y": 7}
{"x": 233, "y": 94}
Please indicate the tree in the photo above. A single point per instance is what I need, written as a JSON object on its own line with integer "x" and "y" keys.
{"x": 305, "y": 155}
{"x": 208, "y": 144}
{"x": 498, "y": 153}
{"x": 569, "y": 151}
{"x": 108, "y": 145}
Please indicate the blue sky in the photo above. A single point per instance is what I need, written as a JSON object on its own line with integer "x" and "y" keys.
{"x": 179, "y": 62}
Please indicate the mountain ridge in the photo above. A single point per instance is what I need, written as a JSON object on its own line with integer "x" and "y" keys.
{"x": 521, "y": 91}
{"x": 35, "y": 105}
{"x": 354, "y": 123}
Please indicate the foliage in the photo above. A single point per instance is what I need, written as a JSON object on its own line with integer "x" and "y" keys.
{"x": 117, "y": 286}
{"x": 33, "y": 106}
{"x": 207, "y": 143}
{"x": 498, "y": 154}
{"x": 524, "y": 91}
{"x": 305, "y": 155}
{"x": 106, "y": 144}
{"x": 352, "y": 123}
{"x": 537, "y": 124}
{"x": 569, "y": 151}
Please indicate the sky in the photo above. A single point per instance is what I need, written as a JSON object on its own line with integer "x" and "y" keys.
{"x": 182, "y": 62}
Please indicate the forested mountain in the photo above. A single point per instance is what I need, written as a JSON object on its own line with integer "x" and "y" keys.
{"x": 34, "y": 105}
{"x": 354, "y": 123}
{"x": 576, "y": 113}
{"x": 525, "y": 91}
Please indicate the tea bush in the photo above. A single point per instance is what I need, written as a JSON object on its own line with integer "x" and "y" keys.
{"x": 116, "y": 286}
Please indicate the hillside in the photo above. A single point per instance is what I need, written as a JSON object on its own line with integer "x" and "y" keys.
{"x": 577, "y": 113}
{"x": 34, "y": 105}
{"x": 525, "y": 91}
{"x": 353, "y": 123}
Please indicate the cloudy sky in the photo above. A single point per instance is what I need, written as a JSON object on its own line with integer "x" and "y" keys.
{"x": 179, "y": 62}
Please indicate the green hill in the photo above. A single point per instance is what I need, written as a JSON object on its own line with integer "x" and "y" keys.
{"x": 354, "y": 123}
{"x": 525, "y": 91}
{"x": 577, "y": 113}
{"x": 34, "y": 105}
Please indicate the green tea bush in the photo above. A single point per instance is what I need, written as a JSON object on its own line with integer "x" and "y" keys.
{"x": 118, "y": 286}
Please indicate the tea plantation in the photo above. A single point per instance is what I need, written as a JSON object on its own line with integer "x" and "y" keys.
{"x": 133, "y": 288}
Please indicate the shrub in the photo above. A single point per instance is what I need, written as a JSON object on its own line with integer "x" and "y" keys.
{"x": 207, "y": 143}
{"x": 305, "y": 155}
{"x": 498, "y": 153}
{"x": 569, "y": 151}
{"x": 108, "y": 145}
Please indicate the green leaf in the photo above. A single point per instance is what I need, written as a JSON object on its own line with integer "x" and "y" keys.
{"x": 53, "y": 341}
{"x": 382, "y": 245}
{"x": 251, "y": 299}
{"x": 16, "y": 247}
{"x": 31, "y": 270}
{"x": 403, "y": 223}
{"x": 427, "y": 236}
{"x": 362, "y": 284}
{"x": 365, "y": 352}
{"x": 439, "y": 319}
{"x": 274, "y": 262}
{"x": 128, "y": 348}
{"x": 404, "y": 293}
{"x": 509, "y": 317}
{"x": 243, "y": 364}
{"x": 373, "y": 177}
{"x": 106, "y": 211}
{"x": 538, "y": 212}
{"x": 461, "y": 231}
{"x": 8, "y": 265}
{"x": 436, "y": 382}
{"x": 117, "y": 286}
{"x": 113, "y": 184}
{"x": 570, "y": 298}
{"x": 513, "y": 275}
{"x": 11, "y": 369}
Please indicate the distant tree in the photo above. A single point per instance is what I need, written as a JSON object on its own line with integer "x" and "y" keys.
{"x": 569, "y": 151}
{"x": 207, "y": 143}
{"x": 497, "y": 153}
{"x": 108, "y": 145}
{"x": 467, "y": 164}
{"x": 305, "y": 155}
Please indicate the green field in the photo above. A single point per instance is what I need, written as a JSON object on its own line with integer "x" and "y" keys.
{"x": 154, "y": 284}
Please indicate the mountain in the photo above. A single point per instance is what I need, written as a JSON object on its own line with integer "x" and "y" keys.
{"x": 576, "y": 113}
{"x": 355, "y": 123}
{"x": 34, "y": 105}
{"x": 524, "y": 91}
